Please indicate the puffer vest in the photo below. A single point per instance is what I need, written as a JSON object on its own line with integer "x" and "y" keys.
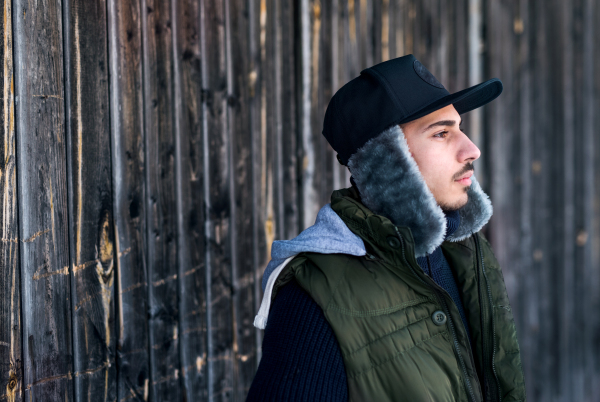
{"x": 400, "y": 334}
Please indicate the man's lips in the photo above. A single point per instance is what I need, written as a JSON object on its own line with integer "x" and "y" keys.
{"x": 465, "y": 179}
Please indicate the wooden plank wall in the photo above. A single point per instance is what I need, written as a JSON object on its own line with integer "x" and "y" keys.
{"x": 543, "y": 172}
{"x": 153, "y": 150}
{"x": 11, "y": 327}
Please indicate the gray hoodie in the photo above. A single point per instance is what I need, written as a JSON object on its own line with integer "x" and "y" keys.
{"x": 329, "y": 235}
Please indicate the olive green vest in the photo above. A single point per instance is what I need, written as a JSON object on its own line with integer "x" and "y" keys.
{"x": 400, "y": 334}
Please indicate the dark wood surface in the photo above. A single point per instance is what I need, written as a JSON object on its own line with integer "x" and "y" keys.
{"x": 241, "y": 170}
{"x": 217, "y": 192}
{"x": 42, "y": 192}
{"x": 191, "y": 211}
{"x": 153, "y": 151}
{"x": 129, "y": 201}
{"x": 11, "y": 359}
{"x": 91, "y": 232}
{"x": 161, "y": 211}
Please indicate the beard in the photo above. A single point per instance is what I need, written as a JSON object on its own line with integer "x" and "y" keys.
{"x": 455, "y": 206}
{"x": 450, "y": 207}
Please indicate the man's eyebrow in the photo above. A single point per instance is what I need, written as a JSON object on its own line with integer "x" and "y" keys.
{"x": 441, "y": 123}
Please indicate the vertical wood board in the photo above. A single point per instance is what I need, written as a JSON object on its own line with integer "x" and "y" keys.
{"x": 91, "y": 234}
{"x": 161, "y": 211}
{"x": 241, "y": 168}
{"x": 11, "y": 363}
{"x": 190, "y": 176}
{"x": 217, "y": 194}
{"x": 127, "y": 150}
{"x": 43, "y": 212}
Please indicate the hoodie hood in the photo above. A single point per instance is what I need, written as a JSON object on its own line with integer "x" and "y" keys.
{"x": 329, "y": 235}
{"x": 390, "y": 184}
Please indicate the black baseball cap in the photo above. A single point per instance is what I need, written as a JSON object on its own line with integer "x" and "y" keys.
{"x": 393, "y": 92}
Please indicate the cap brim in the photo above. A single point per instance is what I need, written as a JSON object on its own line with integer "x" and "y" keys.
{"x": 464, "y": 101}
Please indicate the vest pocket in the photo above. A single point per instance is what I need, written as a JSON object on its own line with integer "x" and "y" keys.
{"x": 374, "y": 341}
{"x": 428, "y": 371}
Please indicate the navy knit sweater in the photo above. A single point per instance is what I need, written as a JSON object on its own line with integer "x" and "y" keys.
{"x": 436, "y": 266}
{"x": 301, "y": 358}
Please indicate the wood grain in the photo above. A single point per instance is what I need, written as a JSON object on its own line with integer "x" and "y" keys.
{"x": 11, "y": 363}
{"x": 217, "y": 193}
{"x": 261, "y": 225}
{"x": 128, "y": 163}
{"x": 91, "y": 234}
{"x": 161, "y": 212}
{"x": 191, "y": 214}
{"x": 240, "y": 166}
{"x": 43, "y": 212}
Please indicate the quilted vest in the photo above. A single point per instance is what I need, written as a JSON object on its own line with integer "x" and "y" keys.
{"x": 400, "y": 334}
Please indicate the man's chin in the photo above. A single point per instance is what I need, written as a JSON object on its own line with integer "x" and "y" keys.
{"x": 455, "y": 204}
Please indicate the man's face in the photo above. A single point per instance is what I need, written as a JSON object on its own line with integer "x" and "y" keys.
{"x": 444, "y": 155}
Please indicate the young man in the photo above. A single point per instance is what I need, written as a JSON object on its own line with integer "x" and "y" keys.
{"x": 393, "y": 294}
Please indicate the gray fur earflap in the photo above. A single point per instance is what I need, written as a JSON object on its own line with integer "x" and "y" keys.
{"x": 390, "y": 184}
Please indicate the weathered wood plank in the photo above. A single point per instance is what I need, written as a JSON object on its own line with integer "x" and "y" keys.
{"x": 43, "y": 214}
{"x": 274, "y": 133}
{"x": 594, "y": 279}
{"x": 241, "y": 167}
{"x": 564, "y": 196}
{"x": 474, "y": 42}
{"x": 257, "y": 105}
{"x": 526, "y": 299}
{"x": 127, "y": 148}
{"x": 500, "y": 118}
{"x": 190, "y": 190}
{"x": 91, "y": 234}
{"x": 339, "y": 179}
{"x": 281, "y": 117}
{"x": 325, "y": 155}
{"x": 309, "y": 197}
{"x": 347, "y": 69}
{"x": 288, "y": 71}
{"x": 541, "y": 329}
{"x": 161, "y": 218}
{"x": 582, "y": 158}
{"x": 217, "y": 194}
{"x": 364, "y": 21}
{"x": 11, "y": 363}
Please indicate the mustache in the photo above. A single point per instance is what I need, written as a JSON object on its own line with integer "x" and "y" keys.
{"x": 468, "y": 166}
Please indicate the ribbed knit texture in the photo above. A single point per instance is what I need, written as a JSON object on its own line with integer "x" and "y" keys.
{"x": 301, "y": 358}
{"x": 439, "y": 270}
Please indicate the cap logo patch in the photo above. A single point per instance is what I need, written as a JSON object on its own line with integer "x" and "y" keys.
{"x": 426, "y": 75}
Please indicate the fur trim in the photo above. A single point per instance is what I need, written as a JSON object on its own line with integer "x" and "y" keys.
{"x": 390, "y": 184}
{"x": 475, "y": 214}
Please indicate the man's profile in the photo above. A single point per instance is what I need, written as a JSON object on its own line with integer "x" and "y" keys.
{"x": 393, "y": 294}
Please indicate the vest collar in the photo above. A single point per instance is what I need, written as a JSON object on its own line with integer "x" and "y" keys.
{"x": 390, "y": 184}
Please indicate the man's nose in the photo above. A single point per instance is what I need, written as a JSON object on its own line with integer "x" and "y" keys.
{"x": 468, "y": 150}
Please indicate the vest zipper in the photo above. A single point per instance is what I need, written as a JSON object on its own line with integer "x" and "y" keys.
{"x": 444, "y": 305}
{"x": 495, "y": 392}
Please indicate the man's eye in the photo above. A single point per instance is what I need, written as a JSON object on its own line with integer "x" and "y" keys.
{"x": 443, "y": 134}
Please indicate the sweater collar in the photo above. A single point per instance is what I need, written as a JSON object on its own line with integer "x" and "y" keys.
{"x": 390, "y": 184}
{"x": 452, "y": 222}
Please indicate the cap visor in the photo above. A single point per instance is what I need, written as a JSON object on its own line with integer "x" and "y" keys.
{"x": 464, "y": 101}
